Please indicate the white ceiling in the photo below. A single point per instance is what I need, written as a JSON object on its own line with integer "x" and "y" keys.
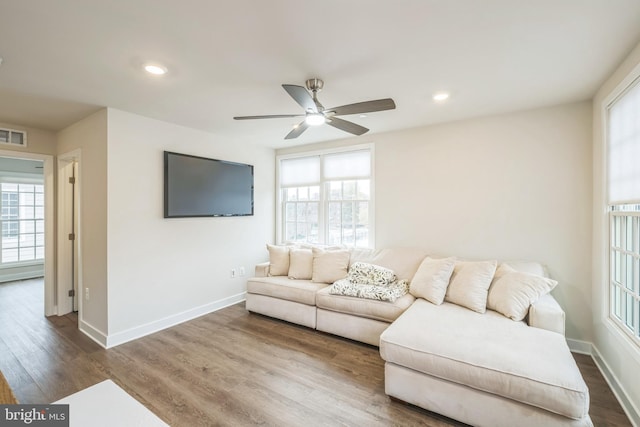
{"x": 64, "y": 59}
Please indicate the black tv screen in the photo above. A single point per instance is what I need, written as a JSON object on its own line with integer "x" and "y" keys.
{"x": 197, "y": 186}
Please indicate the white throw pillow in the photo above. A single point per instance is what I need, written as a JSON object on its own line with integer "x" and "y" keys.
{"x": 432, "y": 279}
{"x": 300, "y": 264}
{"x": 278, "y": 260}
{"x": 329, "y": 266}
{"x": 469, "y": 284}
{"x": 513, "y": 292}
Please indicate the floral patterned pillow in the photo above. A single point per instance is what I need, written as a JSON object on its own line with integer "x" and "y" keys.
{"x": 389, "y": 293}
{"x": 362, "y": 273}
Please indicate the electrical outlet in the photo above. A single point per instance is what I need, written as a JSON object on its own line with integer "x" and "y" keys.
{"x": 233, "y": 273}
{"x": 86, "y": 294}
{"x": 241, "y": 271}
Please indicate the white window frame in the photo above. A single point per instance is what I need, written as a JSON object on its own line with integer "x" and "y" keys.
{"x": 18, "y": 180}
{"x": 621, "y": 285}
{"x": 323, "y": 205}
{"x": 617, "y": 326}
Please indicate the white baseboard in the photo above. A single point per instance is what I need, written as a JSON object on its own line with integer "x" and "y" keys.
{"x": 95, "y": 334}
{"x": 584, "y": 347}
{"x": 581, "y": 347}
{"x": 627, "y": 405}
{"x": 118, "y": 338}
{"x": 11, "y": 277}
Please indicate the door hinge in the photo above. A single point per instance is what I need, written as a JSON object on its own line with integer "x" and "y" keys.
{"x": 72, "y": 180}
{"x": 72, "y": 293}
{"x": 72, "y": 236}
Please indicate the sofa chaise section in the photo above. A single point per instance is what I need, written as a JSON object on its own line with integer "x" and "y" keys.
{"x": 479, "y": 369}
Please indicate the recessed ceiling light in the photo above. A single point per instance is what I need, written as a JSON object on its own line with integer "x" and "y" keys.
{"x": 156, "y": 69}
{"x": 440, "y": 96}
{"x": 362, "y": 116}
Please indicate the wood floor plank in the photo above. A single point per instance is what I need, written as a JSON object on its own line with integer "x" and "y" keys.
{"x": 228, "y": 368}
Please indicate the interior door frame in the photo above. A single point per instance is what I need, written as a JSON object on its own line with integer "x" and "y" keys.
{"x": 66, "y": 194}
{"x": 50, "y": 306}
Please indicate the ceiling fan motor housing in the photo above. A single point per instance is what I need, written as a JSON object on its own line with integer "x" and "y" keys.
{"x": 314, "y": 85}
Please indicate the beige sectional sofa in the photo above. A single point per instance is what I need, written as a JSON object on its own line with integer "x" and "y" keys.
{"x": 480, "y": 368}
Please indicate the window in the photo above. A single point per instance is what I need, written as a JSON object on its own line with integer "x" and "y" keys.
{"x": 326, "y": 198}
{"x": 22, "y": 219}
{"x": 623, "y": 182}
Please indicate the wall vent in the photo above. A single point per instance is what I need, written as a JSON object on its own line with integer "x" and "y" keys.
{"x": 13, "y": 137}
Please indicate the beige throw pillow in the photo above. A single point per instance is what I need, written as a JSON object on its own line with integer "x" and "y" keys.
{"x": 300, "y": 264}
{"x": 512, "y": 292}
{"x": 469, "y": 284}
{"x": 329, "y": 266}
{"x": 432, "y": 279}
{"x": 278, "y": 260}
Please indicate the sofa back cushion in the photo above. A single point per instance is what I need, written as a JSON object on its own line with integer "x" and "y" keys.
{"x": 403, "y": 261}
{"x": 530, "y": 267}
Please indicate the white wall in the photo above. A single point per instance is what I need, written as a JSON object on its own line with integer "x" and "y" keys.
{"x": 166, "y": 270}
{"x": 619, "y": 359}
{"x": 512, "y": 186}
{"x": 90, "y": 136}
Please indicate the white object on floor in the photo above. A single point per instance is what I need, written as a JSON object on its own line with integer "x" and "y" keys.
{"x": 107, "y": 405}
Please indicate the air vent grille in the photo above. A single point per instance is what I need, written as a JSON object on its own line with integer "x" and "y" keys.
{"x": 13, "y": 137}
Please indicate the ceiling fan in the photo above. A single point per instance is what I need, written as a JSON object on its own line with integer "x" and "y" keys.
{"x": 315, "y": 114}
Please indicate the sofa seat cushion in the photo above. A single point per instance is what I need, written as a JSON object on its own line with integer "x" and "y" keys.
{"x": 372, "y": 309}
{"x": 488, "y": 352}
{"x": 302, "y": 291}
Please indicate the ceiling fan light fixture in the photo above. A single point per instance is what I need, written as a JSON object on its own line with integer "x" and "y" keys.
{"x": 314, "y": 119}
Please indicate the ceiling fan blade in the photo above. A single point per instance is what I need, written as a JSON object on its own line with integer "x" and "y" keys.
{"x": 346, "y": 126}
{"x": 363, "y": 107}
{"x": 302, "y": 97}
{"x": 297, "y": 131}
{"x": 272, "y": 116}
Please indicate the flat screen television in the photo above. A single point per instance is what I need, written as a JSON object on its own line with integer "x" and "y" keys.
{"x": 198, "y": 187}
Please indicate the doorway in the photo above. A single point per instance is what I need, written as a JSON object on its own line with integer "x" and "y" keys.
{"x": 39, "y": 227}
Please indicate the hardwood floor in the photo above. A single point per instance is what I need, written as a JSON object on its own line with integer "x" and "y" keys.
{"x": 226, "y": 368}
